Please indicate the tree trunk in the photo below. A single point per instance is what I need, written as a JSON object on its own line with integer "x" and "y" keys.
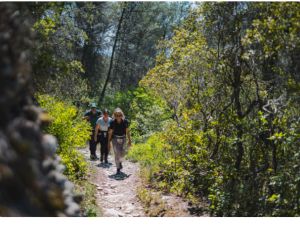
{"x": 112, "y": 56}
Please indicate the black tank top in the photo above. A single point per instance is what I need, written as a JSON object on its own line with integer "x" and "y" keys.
{"x": 119, "y": 129}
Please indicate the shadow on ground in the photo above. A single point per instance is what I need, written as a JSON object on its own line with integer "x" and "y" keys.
{"x": 104, "y": 165}
{"x": 198, "y": 211}
{"x": 121, "y": 176}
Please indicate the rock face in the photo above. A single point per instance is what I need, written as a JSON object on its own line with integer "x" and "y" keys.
{"x": 31, "y": 180}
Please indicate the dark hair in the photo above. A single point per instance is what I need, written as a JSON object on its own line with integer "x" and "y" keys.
{"x": 105, "y": 111}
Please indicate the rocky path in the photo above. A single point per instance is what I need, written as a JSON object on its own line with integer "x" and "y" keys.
{"x": 116, "y": 194}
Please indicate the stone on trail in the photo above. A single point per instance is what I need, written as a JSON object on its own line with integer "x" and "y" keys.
{"x": 114, "y": 213}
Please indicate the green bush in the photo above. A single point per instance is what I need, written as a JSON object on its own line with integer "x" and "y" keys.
{"x": 151, "y": 154}
{"x": 71, "y": 132}
{"x": 149, "y": 115}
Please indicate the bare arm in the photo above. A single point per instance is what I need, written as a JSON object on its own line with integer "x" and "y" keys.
{"x": 85, "y": 118}
{"x": 128, "y": 136}
{"x": 96, "y": 131}
{"x": 110, "y": 132}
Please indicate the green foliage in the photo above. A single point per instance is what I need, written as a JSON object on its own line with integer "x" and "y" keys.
{"x": 236, "y": 130}
{"x": 217, "y": 117}
{"x": 144, "y": 24}
{"x": 119, "y": 99}
{"x": 55, "y": 70}
{"x": 147, "y": 113}
{"x": 150, "y": 154}
{"x": 47, "y": 25}
{"x": 71, "y": 131}
{"x": 68, "y": 83}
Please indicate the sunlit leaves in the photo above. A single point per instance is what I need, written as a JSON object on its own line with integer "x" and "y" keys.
{"x": 71, "y": 132}
{"x": 230, "y": 76}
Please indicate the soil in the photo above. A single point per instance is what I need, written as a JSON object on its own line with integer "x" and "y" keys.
{"x": 117, "y": 194}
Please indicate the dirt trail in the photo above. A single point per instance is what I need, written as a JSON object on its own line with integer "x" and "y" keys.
{"x": 117, "y": 195}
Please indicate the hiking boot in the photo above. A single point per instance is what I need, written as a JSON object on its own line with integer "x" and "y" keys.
{"x": 106, "y": 161}
{"x": 93, "y": 157}
{"x": 118, "y": 171}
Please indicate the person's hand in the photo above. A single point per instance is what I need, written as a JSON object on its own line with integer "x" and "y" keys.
{"x": 129, "y": 143}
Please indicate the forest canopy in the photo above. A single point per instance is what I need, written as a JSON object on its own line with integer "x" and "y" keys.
{"x": 211, "y": 90}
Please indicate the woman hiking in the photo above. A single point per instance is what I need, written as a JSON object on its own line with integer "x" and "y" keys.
{"x": 102, "y": 125}
{"x": 117, "y": 133}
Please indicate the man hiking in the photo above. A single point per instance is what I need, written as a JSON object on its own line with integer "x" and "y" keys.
{"x": 102, "y": 125}
{"x": 117, "y": 133}
{"x": 92, "y": 116}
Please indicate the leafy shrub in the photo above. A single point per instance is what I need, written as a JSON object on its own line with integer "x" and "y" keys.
{"x": 151, "y": 155}
{"x": 149, "y": 114}
{"x": 71, "y": 132}
{"x": 237, "y": 138}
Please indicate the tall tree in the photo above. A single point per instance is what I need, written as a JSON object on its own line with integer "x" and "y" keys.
{"x": 233, "y": 64}
{"x": 56, "y": 66}
{"x": 145, "y": 24}
{"x": 112, "y": 54}
{"x": 92, "y": 19}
